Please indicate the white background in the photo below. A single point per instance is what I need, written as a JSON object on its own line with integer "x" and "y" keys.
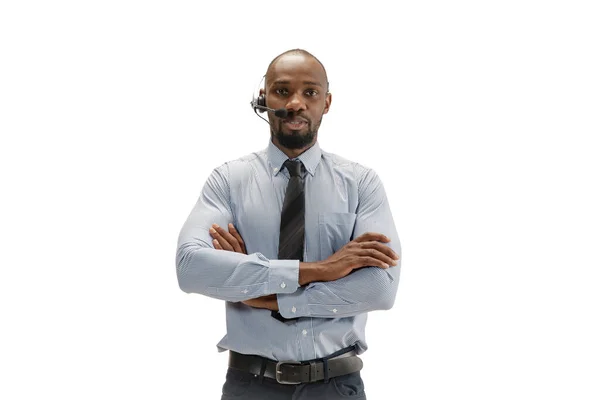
{"x": 480, "y": 117}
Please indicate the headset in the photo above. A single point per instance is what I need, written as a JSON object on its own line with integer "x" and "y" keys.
{"x": 259, "y": 103}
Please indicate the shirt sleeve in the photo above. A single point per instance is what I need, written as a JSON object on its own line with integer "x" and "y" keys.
{"x": 223, "y": 274}
{"x": 365, "y": 289}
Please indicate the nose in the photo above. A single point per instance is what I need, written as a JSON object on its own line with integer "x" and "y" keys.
{"x": 295, "y": 103}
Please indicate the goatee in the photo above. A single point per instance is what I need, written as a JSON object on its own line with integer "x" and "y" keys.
{"x": 295, "y": 140}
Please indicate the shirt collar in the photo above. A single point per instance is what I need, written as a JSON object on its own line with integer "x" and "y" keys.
{"x": 310, "y": 158}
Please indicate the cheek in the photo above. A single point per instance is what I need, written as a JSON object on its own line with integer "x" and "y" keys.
{"x": 323, "y": 107}
{"x": 318, "y": 114}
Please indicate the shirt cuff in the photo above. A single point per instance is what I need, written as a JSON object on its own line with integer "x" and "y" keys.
{"x": 293, "y": 305}
{"x": 283, "y": 276}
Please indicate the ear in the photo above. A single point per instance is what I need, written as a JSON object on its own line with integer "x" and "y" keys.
{"x": 327, "y": 103}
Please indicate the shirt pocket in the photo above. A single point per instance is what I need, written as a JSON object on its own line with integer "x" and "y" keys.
{"x": 335, "y": 231}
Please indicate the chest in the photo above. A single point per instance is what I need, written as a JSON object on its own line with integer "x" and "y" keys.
{"x": 330, "y": 213}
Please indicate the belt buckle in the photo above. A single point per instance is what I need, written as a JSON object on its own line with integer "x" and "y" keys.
{"x": 278, "y": 373}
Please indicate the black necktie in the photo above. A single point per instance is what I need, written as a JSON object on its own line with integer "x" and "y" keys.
{"x": 291, "y": 230}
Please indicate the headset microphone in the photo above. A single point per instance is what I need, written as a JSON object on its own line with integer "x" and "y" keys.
{"x": 280, "y": 112}
{"x": 259, "y": 104}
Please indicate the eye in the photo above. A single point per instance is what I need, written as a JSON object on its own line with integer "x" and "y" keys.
{"x": 311, "y": 92}
{"x": 281, "y": 91}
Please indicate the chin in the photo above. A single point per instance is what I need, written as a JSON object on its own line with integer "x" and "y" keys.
{"x": 295, "y": 140}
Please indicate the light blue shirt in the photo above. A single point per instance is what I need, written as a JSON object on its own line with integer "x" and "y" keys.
{"x": 343, "y": 200}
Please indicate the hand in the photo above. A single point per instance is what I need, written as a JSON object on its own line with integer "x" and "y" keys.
{"x": 227, "y": 240}
{"x": 268, "y": 302}
{"x": 367, "y": 250}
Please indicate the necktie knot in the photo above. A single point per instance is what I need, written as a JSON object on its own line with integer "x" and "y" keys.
{"x": 294, "y": 167}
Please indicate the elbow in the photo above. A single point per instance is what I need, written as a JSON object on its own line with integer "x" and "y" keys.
{"x": 387, "y": 302}
{"x": 183, "y": 278}
{"x": 387, "y": 294}
{"x": 183, "y": 281}
{"x": 187, "y": 277}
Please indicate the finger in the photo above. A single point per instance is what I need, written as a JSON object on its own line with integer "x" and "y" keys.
{"x": 367, "y": 261}
{"x": 388, "y": 251}
{"x": 234, "y": 232}
{"x": 230, "y": 239}
{"x": 375, "y": 253}
{"x": 217, "y": 245}
{"x": 372, "y": 236}
{"x": 224, "y": 244}
{"x": 233, "y": 243}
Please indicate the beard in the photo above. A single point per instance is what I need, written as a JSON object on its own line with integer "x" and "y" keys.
{"x": 295, "y": 139}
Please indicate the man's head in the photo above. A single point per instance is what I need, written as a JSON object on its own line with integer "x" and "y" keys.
{"x": 297, "y": 82}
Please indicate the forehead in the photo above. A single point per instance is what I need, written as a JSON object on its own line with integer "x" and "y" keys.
{"x": 296, "y": 68}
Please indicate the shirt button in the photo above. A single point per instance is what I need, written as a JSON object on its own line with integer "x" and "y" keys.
{"x": 282, "y": 285}
{"x": 294, "y": 310}
{"x": 304, "y": 332}
{"x": 334, "y": 310}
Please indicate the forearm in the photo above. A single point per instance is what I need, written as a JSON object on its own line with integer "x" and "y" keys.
{"x": 267, "y": 302}
{"x": 232, "y": 276}
{"x": 221, "y": 274}
{"x": 366, "y": 289}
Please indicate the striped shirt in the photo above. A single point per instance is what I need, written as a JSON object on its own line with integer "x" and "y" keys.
{"x": 343, "y": 200}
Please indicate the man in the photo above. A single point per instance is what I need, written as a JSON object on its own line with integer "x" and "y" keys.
{"x": 301, "y": 245}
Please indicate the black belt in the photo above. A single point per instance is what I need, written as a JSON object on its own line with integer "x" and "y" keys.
{"x": 293, "y": 372}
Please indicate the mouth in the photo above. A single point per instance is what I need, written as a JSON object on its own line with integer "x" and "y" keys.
{"x": 295, "y": 123}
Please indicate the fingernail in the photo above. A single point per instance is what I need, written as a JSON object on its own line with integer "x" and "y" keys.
{"x": 212, "y": 230}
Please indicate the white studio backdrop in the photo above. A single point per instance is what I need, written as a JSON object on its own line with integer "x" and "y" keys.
{"x": 480, "y": 117}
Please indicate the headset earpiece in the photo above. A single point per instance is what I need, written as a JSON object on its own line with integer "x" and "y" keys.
{"x": 261, "y": 101}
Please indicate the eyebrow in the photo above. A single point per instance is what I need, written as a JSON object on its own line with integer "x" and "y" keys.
{"x": 281, "y": 82}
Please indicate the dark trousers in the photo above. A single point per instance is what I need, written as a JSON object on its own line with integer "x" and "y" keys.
{"x": 245, "y": 386}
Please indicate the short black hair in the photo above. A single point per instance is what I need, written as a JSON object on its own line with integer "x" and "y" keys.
{"x": 299, "y": 51}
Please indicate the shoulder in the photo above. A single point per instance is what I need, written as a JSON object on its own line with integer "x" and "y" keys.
{"x": 241, "y": 164}
{"x": 237, "y": 171}
{"x": 360, "y": 173}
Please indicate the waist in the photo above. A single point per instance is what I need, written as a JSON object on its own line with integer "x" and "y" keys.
{"x": 315, "y": 337}
{"x": 294, "y": 372}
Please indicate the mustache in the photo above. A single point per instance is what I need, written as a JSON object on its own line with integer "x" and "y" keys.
{"x": 295, "y": 117}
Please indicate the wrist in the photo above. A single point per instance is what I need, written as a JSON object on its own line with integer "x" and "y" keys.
{"x": 309, "y": 272}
